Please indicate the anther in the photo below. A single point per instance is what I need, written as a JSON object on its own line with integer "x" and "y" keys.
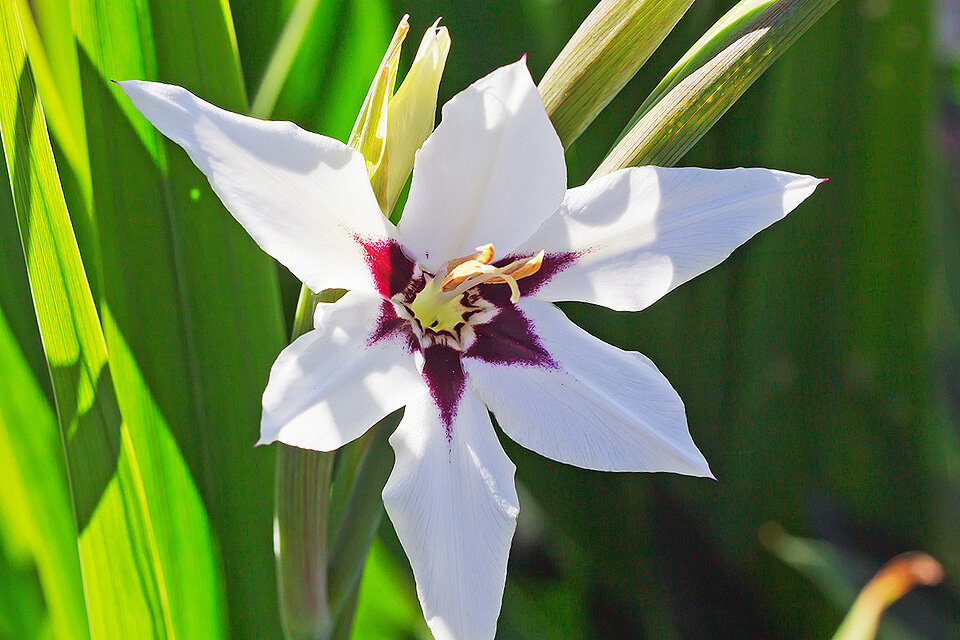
{"x": 476, "y": 269}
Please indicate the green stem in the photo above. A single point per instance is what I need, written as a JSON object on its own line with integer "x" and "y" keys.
{"x": 308, "y": 504}
{"x": 349, "y": 458}
{"x": 344, "y": 624}
{"x": 302, "y": 504}
{"x": 301, "y": 542}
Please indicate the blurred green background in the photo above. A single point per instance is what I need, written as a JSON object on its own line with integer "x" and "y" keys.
{"x": 820, "y": 365}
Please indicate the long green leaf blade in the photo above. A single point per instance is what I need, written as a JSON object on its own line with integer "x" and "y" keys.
{"x": 205, "y": 335}
{"x": 36, "y": 516}
{"x": 713, "y": 75}
{"x": 117, "y": 541}
{"x": 289, "y": 44}
{"x": 605, "y": 52}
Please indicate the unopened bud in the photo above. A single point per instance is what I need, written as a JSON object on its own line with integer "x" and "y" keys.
{"x": 413, "y": 109}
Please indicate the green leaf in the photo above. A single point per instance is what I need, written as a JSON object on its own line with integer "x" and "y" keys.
{"x": 712, "y": 75}
{"x": 327, "y": 100}
{"x": 57, "y": 75}
{"x": 300, "y": 60}
{"x": 605, "y": 52}
{"x": 121, "y": 518}
{"x": 58, "y": 80}
{"x": 289, "y": 44}
{"x": 36, "y": 516}
{"x": 189, "y": 299}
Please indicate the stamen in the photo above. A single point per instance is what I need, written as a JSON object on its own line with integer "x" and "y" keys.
{"x": 483, "y": 255}
{"x": 472, "y": 282}
{"x": 464, "y": 271}
{"x": 473, "y": 272}
{"x": 514, "y": 288}
{"x": 527, "y": 267}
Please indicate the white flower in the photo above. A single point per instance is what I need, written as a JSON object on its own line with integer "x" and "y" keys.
{"x": 435, "y": 323}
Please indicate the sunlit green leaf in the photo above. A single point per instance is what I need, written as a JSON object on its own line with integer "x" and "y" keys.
{"x": 116, "y": 506}
{"x": 57, "y": 80}
{"x": 606, "y": 51}
{"x": 189, "y": 300}
{"x": 36, "y": 515}
{"x": 713, "y": 75}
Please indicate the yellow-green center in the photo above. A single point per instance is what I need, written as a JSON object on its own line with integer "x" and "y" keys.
{"x": 436, "y": 310}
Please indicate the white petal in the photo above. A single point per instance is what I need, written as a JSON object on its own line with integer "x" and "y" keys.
{"x": 454, "y": 506}
{"x": 597, "y": 408}
{"x": 638, "y": 233}
{"x": 493, "y": 171}
{"x": 335, "y": 382}
{"x": 304, "y": 198}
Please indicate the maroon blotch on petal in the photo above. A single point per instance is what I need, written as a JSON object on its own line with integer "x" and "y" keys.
{"x": 509, "y": 339}
{"x": 444, "y": 377}
{"x": 390, "y": 324}
{"x": 391, "y": 269}
{"x": 553, "y": 263}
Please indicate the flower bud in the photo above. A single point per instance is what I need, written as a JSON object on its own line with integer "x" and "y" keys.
{"x": 392, "y": 127}
{"x": 412, "y": 111}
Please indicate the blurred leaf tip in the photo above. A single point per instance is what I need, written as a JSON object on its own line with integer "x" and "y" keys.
{"x": 895, "y": 579}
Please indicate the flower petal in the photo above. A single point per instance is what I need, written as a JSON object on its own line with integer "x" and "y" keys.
{"x": 334, "y": 383}
{"x": 304, "y": 198}
{"x": 625, "y": 240}
{"x": 454, "y": 506}
{"x": 590, "y": 404}
{"x": 492, "y": 172}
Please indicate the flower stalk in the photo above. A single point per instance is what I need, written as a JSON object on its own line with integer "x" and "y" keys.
{"x": 328, "y": 505}
{"x": 300, "y": 541}
{"x": 302, "y": 500}
{"x": 353, "y": 531}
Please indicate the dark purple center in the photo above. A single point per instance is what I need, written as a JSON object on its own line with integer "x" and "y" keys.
{"x": 506, "y": 337}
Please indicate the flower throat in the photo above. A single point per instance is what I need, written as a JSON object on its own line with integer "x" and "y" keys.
{"x": 437, "y": 306}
